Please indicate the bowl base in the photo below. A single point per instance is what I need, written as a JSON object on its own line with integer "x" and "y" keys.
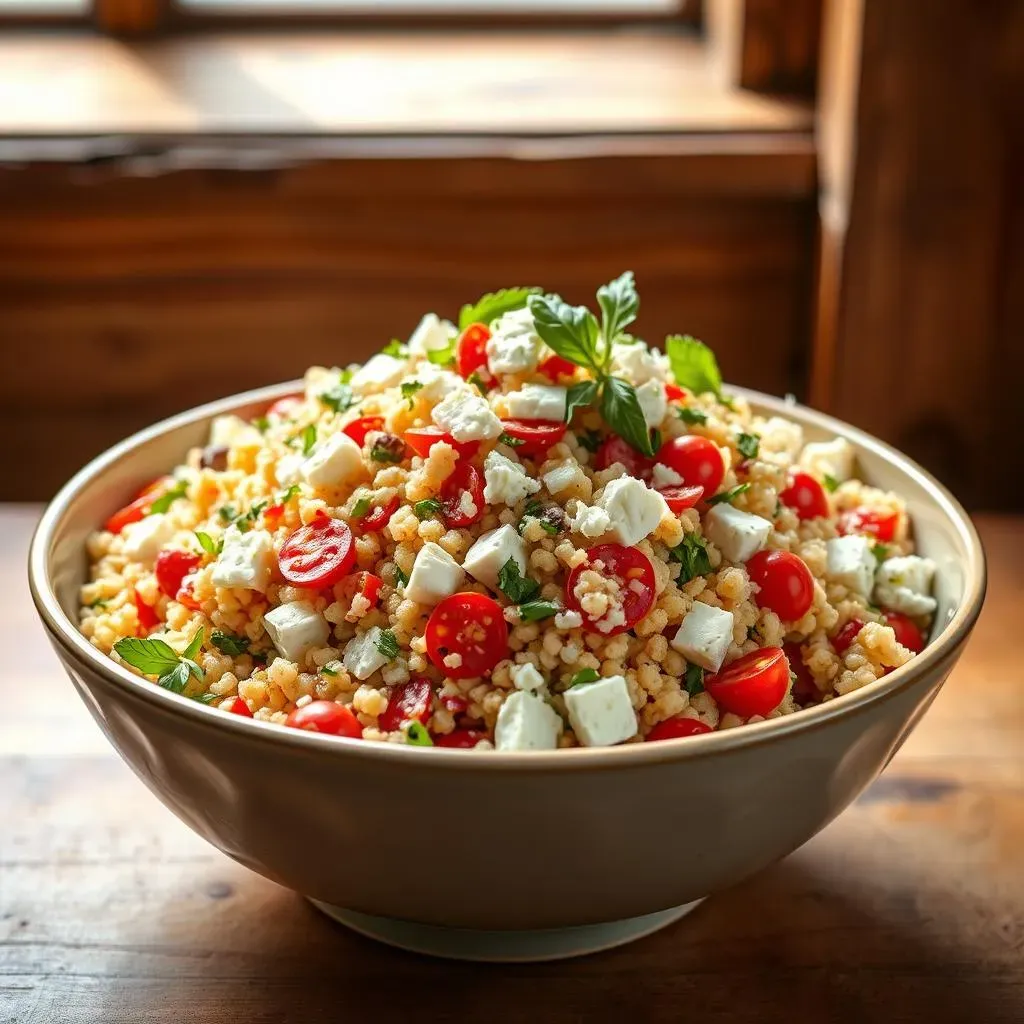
{"x": 503, "y": 946}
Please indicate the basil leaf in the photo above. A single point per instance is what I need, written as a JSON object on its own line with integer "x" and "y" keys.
{"x": 192, "y": 667}
{"x": 532, "y": 611}
{"x": 692, "y": 554}
{"x": 733, "y": 492}
{"x": 416, "y": 735}
{"x": 589, "y": 439}
{"x": 489, "y": 307}
{"x": 204, "y": 698}
{"x": 692, "y": 416}
{"x": 396, "y": 349}
{"x": 427, "y": 507}
{"x": 206, "y": 542}
{"x": 570, "y": 331}
{"x": 749, "y": 445}
{"x": 194, "y": 645}
{"x": 387, "y": 644}
{"x": 693, "y": 680}
{"x": 339, "y": 398}
{"x": 619, "y": 304}
{"x": 400, "y": 576}
{"x": 176, "y": 679}
{"x": 229, "y": 643}
{"x": 584, "y": 676}
{"x": 151, "y": 656}
{"x": 409, "y": 389}
{"x": 831, "y": 483}
{"x": 622, "y": 412}
{"x": 512, "y": 442}
{"x": 579, "y": 396}
{"x": 693, "y": 365}
{"x": 163, "y": 503}
{"x": 515, "y": 587}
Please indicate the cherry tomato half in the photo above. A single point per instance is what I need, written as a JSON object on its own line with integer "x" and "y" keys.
{"x": 555, "y": 366}
{"x": 696, "y": 459}
{"x": 171, "y": 567}
{"x": 460, "y": 739}
{"x": 755, "y": 684}
{"x": 679, "y": 498}
{"x": 148, "y": 618}
{"x": 678, "y": 727}
{"x": 843, "y": 640}
{"x": 358, "y": 429}
{"x": 318, "y": 554}
{"x": 422, "y": 439}
{"x": 906, "y": 630}
{"x": 466, "y": 479}
{"x": 633, "y": 572}
{"x": 786, "y": 584}
{"x": 673, "y": 392}
{"x": 136, "y": 509}
{"x": 537, "y": 436}
{"x": 804, "y": 688}
{"x": 805, "y": 496}
{"x": 455, "y": 704}
{"x": 237, "y": 706}
{"x": 876, "y": 522}
{"x": 613, "y": 449}
{"x": 407, "y": 703}
{"x": 272, "y": 516}
{"x": 471, "y": 350}
{"x": 360, "y": 584}
{"x": 379, "y": 516}
{"x": 327, "y": 717}
{"x": 471, "y": 626}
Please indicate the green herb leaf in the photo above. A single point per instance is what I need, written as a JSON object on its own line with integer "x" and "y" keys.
{"x": 443, "y": 356}
{"x": 515, "y": 587}
{"x": 227, "y": 513}
{"x": 194, "y": 645}
{"x": 387, "y": 644}
{"x": 478, "y": 382}
{"x": 100, "y": 603}
{"x": 831, "y": 483}
{"x": 749, "y": 445}
{"x": 512, "y": 442}
{"x": 622, "y": 412}
{"x": 339, "y": 398}
{"x": 205, "y": 698}
{"x": 151, "y": 656}
{"x": 285, "y": 496}
{"x": 619, "y": 304}
{"x": 489, "y": 307}
{"x": 395, "y": 349}
{"x": 359, "y": 507}
{"x": 656, "y": 439}
{"x": 693, "y": 680}
{"x": 206, "y": 542}
{"x": 880, "y": 551}
{"x": 579, "y": 396}
{"x": 329, "y": 671}
{"x": 163, "y": 503}
{"x": 261, "y": 423}
{"x": 229, "y": 643}
{"x": 401, "y": 577}
{"x": 308, "y": 438}
{"x": 416, "y": 735}
{"x": 532, "y": 611}
{"x": 427, "y": 507}
{"x": 382, "y": 453}
{"x": 691, "y": 416}
{"x": 570, "y": 331}
{"x": 175, "y": 679}
{"x": 409, "y": 389}
{"x": 693, "y": 365}
{"x": 589, "y": 439}
{"x": 584, "y": 676}
{"x": 692, "y": 554}
{"x": 729, "y": 495}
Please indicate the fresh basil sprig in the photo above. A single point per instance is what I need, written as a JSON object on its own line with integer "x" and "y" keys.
{"x": 489, "y": 307}
{"x": 693, "y": 365}
{"x": 155, "y": 657}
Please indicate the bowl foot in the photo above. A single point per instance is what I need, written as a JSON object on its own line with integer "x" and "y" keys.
{"x": 503, "y": 946}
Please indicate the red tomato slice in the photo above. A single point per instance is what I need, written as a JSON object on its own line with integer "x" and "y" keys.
{"x": 472, "y": 626}
{"x": 377, "y": 518}
{"x": 466, "y": 479}
{"x": 319, "y": 554}
{"x": 471, "y": 350}
{"x": 455, "y": 704}
{"x": 135, "y": 510}
{"x": 680, "y": 498}
{"x": 537, "y": 436}
{"x": 805, "y": 496}
{"x": 755, "y": 684}
{"x": 460, "y": 739}
{"x": 172, "y": 566}
{"x": 696, "y": 459}
{"x": 422, "y": 439}
{"x": 555, "y": 366}
{"x": 787, "y": 586}
{"x": 873, "y": 521}
{"x": 364, "y": 584}
{"x": 845, "y": 637}
{"x": 673, "y": 392}
{"x": 633, "y": 572}
{"x": 285, "y": 407}
{"x": 804, "y": 688}
{"x": 678, "y": 727}
{"x": 358, "y": 429}
{"x": 327, "y": 717}
{"x": 407, "y": 703}
{"x": 237, "y": 707}
{"x": 613, "y": 449}
{"x": 272, "y": 516}
{"x": 906, "y": 630}
{"x": 186, "y": 597}
{"x": 148, "y": 618}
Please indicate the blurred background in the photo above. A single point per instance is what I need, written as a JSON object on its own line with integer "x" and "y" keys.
{"x": 202, "y": 196}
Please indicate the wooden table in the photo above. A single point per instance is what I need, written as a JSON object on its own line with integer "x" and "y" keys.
{"x": 910, "y": 907}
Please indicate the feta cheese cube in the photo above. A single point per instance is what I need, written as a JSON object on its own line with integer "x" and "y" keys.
{"x": 633, "y": 509}
{"x": 537, "y": 402}
{"x": 233, "y": 431}
{"x": 506, "y": 481}
{"x": 378, "y": 373}
{"x": 638, "y": 364}
{"x": 527, "y": 722}
{"x": 514, "y": 345}
{"x": 851, "y": 563}
{"x": 591, "y": 521}
{"x": 431, "y": 335}
{"x": 246, "y": 560}
{"x": 526, "y": 677}
{"x": 705, "y": 635}
{"x": 563, "y": 475}
{"x": 486, "y": 557}
{"x": 288, "y": 470}
{"x": 652, "y": 401}
{"x": 295, "y": 628}
{"x": 904, "y": 584}
{"x": 568, "y": 620}
{"x": 601, "y": 713}
{"x": 738, "y": 535}
{"x": 144, "y": 539}
{"x": 319, "y": 379}
{"x": 437, "y": 382}
{"x": 435, "y": 575}
{"x": 362, "y": 658}
{"x": 782, "y": 436}
{"x": 466, "y": 416}
{"x": 829, "y": 458}
{"x": 665, "y": 476}
{"x": 332, "y": 462}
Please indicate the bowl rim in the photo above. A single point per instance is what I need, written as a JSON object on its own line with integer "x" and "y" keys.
{"x": 944, "y": 647}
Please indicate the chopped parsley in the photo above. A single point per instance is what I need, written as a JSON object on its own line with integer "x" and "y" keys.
{"x": 478, "y": 382}
{"x": 693, "y": 680}
{"x": 383, "y": 452}
{"x": 229, "y": 643}
{"x": 749, "y": 445}
{"x": 248, "y": 519}
{"x": 533, "y": 611}
{"x": 387, "y": 643}
{"x": 395, "y": 349}
{"x": 512, "y": 442}
{"x": 340, "y": 398}
{"x": 204, "y": 698}
{"x": 831, "y": 483}
{"x": 733, "y": 492}
{"x": 329, "y": 671}
{"x": 427, "y": 507}
{"x": 163, "y": 503}
{"x": 261, "y": 423}
{"x": 155, "y": 657}
{"x": 285, "y": 496}
{"x": 516, "y": 587}
{"x": 409, "y": 389}
{"x": 305, "y": 439}
{"x": 692, "y": 416}
{"x": 360, "y": 507}
{"x": 880, "y": 551}
{"x": 227, "y": 513}
{"x": 400, "y": 576}
{"x": 416, "y": 735}
{"x": 552, "y": 519}
{"x": 589, "y": 439}
{"x": 584, "y": 676}
{"x": 207, "y": 543}
{"x": 100, "y": 603}
{"x": 692, "y": 554}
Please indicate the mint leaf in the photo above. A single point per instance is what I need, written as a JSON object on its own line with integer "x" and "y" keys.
{"x": 176, "y": 679}
{"x": 416, "y": 735}
{"x": 570, "y": 331}
{"x": 749, "y": 445}
{"x": 691, "y": 416}
{"x": 619, "y": 304}
{"x": 339, "y": 398}
{"x": 151, "y": 656}
{"x": 395, "y": 349}
{"x": 387, "y": 644}
{"x": 831, "y": 483}
{"x": 693, "y": 680}
{"x": 622, "y": 412}
{"x": 724, "y": 496}
{"x": 206, "y": 542}
{"x": 579, "y": 396}
{"x": 489, "y": 307}
{"x": 163, "y": 503}
{"x": 532, "y": 611}
{"x": 409, "y": 389}
{"x": 584, "y": 676}
{"x": 692, "y": 554}
{"x": 194, "y": 645}
{"x": 427, "y": 507}
{"x": 693, "y": 365}
{"x": 229, "y": 643}
{"x": 515, "y": 587}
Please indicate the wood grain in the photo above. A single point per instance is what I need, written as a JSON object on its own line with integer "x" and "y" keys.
{"x": 909, "y": 907}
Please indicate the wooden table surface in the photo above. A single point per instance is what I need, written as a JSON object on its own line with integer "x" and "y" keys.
{"x": 910, "y": 907}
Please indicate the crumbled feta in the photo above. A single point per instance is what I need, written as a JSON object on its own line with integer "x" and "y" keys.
{"x": 537, "y": 402}
{"x": 332, "y": 462}
{"x": 527, "y": 722}
{"x": 665, "y": 476}
{"x": 591, "y": 521}
{"x": 514, "y": 345}
{"x": 491, "y": 551}
{"x": 396, "y": 672}
{"x": 295, "y": 628}
{"x": 563, "y": 475}
{"x": 851, "y": 563}
{"x": 437, "y": 382}
{"x": 829, "y": 458}
{"x": 568, "y": 620}
{"x": 601, "y": 713}
{"x": 431, "y": 335}
{"x": 782, "y": 436}
{"x": 288, "y": 470}
{"x": 738, "y": 535}
{"x": 638, "y": 364}
{"x": 435, "y": 575}
{"x": 246, "y": 560}
{"x": 378, "y": 373}
{"x": 526, "y": 677}
{"x": 362, "y": 658}
{"x": 633, "y": 509}
{"x": 653, "y": 403}
{"x": 506, "y": 482}
{"x": 233, "y": 431}
{"x": 904, "y": 584}
{"x": 705, "y": 635}
{"x": 144, "y": 539}
{"x": 467, "y": 416}
{"x": 319, "y": 379}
